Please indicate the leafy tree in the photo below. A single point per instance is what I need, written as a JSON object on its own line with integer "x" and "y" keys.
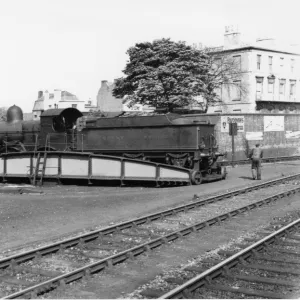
{"x": 226, "y": 73}
{"x": 165, "y": 74}
{"x": 3, "y": 111}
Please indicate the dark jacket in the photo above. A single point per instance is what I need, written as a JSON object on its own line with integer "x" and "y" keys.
{"x": 256, "y": 154}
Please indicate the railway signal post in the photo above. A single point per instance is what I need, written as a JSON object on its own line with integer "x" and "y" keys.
{"x": 232, "y": 132}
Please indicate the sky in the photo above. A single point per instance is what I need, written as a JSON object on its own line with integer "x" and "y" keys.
{"x": 73, "y": 45}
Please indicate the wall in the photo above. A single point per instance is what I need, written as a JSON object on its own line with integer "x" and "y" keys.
{"x": 106, "y": 102}
{"x": 250, "y": 73}
{"x": 277, "y": 139}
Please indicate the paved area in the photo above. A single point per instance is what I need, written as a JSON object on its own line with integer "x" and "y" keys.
{"x": 63, "y": 210}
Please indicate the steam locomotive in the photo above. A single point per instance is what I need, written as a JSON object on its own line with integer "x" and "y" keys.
{"x": 169, "y": 138}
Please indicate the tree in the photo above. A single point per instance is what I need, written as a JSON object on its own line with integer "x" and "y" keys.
{"x": 165, "y": 74}
{"x": 225, "y": 73}
{"x": 3, "y": 111}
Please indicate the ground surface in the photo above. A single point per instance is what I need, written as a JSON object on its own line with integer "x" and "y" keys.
{"x": 131, "y": 279}
{"x": 62, "y": 210}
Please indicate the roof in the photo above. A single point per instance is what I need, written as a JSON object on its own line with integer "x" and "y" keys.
{"x": 68, "y": 96}
{"x": 38, "y": 105}
{"x": 249, "y": 48}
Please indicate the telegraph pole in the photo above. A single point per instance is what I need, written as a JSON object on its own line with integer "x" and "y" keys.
{"x": 232, "y": 132}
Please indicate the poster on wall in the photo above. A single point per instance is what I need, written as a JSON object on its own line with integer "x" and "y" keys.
{"x": 225, "y": 120}
{"x": 292, "y": 134}
{"x": 273, "y": 123}
{"x": 254, "y": 136}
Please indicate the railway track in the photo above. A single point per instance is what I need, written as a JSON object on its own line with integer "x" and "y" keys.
{"x": 268, "y": 268}
{"x": 28, "y": 274}
{"x": 264, "y": 160}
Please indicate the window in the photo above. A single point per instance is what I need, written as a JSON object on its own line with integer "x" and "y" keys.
{"x": 236, "y": 95}
{"x": 218, "y": 92}
{"x": 258, "y": 61}
{"x": 292, "y": 65}
{"x": 270, "y": 63}
{"x": 281, "y": 62}
{"x": 217, "y": 63}
{"x": 259, "y": 87}
{"x": 271, "y": 81}
{"x": 292, "y": 87}
{"x": 237, "y": 62}
{"x": 237, "y": 110}
{"x": 74, "y": 105}
{"x": 282, "y": 86}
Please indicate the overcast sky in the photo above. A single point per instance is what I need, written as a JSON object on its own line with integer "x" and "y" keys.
{"x": 74, "y": 44}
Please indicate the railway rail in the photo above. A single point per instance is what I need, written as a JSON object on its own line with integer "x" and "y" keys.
{"x": 264, "y": 160}
{"x": 103, "y": 248}
{"x": 265, "y": 269}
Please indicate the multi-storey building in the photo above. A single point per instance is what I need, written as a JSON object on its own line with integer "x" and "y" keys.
{"x": 270, "y": 75}
{"x": 57, "y": 99}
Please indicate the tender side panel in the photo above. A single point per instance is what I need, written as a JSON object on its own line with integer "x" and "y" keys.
{"x": 105, "y": 167}
{"x": 172, "y": 138}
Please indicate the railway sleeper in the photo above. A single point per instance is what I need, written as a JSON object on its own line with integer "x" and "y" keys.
{"x": 258, "y": 279}
{"x": 245, "y": 291}
{"x": 276, "y": 259}
{"x": 284, "y": 251}
{"x": 274, "y": 269}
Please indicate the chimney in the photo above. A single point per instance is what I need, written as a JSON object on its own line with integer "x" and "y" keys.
{"x": 231, "y": 37}
{"x": 40, "y": 94}
{"x": 46, "y": 96}
{"x": 57, "y": 96}
{"x": 104, "y": 82}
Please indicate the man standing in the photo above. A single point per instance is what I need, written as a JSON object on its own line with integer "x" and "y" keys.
{"x": 256, "y": 155}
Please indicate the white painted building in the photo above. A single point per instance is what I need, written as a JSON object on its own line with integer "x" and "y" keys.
{"x": 58, "y": 99}
{"x": 270, "y": 72}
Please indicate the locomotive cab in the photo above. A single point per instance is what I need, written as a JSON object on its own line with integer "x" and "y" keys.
{"x": 58, "y": 129}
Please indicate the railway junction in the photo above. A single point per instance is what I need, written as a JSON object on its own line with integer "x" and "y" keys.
{"x": 136, "y": 242}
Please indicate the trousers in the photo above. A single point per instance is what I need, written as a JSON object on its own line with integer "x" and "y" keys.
{"x": 256, "y": 169}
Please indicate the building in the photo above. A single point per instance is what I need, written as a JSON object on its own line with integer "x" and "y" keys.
{"x": 106, "y": 102}
{"x": 57, "y": 99}
{"x": 270, "y": 73}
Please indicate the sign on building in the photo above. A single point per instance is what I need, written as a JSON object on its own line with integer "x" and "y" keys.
{"x": 292, "y": 134}
{"x": 225, "y": 120}
{"x": 273, "y": 123}
{"x": 254, "y": 136}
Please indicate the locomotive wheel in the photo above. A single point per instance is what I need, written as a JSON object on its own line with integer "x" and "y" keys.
{"x": 196, "y": 177}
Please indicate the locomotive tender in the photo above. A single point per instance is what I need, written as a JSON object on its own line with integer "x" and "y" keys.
{"x": 169, "y": 139}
